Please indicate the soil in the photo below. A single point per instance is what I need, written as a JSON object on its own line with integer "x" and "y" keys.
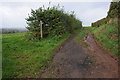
{"x": 73, "y": 60}
{"x": 105, "y": 65}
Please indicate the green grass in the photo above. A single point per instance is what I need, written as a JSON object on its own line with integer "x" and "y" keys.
{"x": 107, "y": 36}
{"x": 81, "y": 34}
{"x": 1, "y": 56}
{"x": 27, "y": 59}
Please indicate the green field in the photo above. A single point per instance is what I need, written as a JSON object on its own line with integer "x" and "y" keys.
{"x": 27, "y": 59}
{"x": 107, "y": 36}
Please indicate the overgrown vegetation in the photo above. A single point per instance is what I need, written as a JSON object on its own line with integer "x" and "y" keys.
{"x": 112, "y": 17}
{"x": 84, "y": 31}
{"x": 114, "y": 10}
{"x": 80, "y": 36}
{"x": 100, "y": 22}
{"x": 106, "y": 29}
{"x": 55, "y": 22}
{"x": 107, "y": 36}
{"x": 27, "y": 59}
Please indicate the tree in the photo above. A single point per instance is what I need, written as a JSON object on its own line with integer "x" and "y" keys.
{"x": 55, "y": 22}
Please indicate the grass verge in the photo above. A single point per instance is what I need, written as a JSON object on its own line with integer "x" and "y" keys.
{"x": 107, "y": 36}
{"x": 80, "y": 37}
{"x": 27, "y": 59}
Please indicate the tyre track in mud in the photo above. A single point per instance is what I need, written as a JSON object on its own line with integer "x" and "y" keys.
{"x": 75, "y": 61}
{"x": 105, "y": 65}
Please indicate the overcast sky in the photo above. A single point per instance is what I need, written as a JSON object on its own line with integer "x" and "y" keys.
{"x": 14, "y": 13}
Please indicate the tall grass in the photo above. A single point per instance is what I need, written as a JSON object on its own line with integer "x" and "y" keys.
{"x": 27, "y": 59}
{"x": 107, "y": 35}
{"x": 82, "y": 33}
{"x": 80, "y": 36}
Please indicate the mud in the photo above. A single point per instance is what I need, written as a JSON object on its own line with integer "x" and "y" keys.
{"x": 75, "y": 61}
{"x": 105, "y": 66}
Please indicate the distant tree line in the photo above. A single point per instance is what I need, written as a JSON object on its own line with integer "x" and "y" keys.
{"x": 7, "y": 30}
{"x": 55, "y": 22}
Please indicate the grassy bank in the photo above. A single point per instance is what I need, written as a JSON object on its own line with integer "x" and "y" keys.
{"x": 107, "y": 36}
{"x": 27, "y": 59}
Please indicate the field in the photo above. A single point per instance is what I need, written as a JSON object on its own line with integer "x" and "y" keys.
{"x": 27, "y": 59}
{"x": 23, "y": 58}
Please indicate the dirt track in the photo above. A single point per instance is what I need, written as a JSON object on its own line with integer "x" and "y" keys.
{"x": 75, "y": 61}
{"x": 105, "y": 66}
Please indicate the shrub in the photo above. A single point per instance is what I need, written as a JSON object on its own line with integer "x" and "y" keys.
{"x": 55, "y": 22}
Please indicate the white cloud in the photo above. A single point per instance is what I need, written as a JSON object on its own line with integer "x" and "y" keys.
{"x": 14, "y": 14}
{"x": 14, "y": 17}
{"x": 89, "y": 12}
{"x": 93, "y": 15}
{"x": 56, "y": 0}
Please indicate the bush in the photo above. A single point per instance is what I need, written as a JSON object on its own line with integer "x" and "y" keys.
{"x": 113, "y": 13}
{"x": 55, "y": 22}
{"x": 100, "y": 22}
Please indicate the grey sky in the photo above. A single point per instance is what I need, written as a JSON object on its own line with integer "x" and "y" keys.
{"x": 14, "y": 13}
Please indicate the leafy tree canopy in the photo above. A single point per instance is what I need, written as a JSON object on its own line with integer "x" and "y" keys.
{"x": 55, "y": 22}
